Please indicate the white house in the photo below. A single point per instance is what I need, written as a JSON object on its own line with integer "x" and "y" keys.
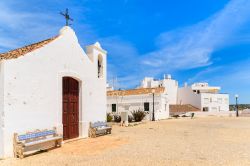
{"x": 143, "y": 98}
{"x": 53, "y": 83}
{"x": 206, "y": 98}
{"x": 200, "y": 95}
{"x": 170, "y": 85}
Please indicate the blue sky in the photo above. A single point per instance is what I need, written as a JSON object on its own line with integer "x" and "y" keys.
{"x": 193, "y": 40}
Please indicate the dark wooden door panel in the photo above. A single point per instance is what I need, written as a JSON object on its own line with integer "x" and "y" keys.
{"x": 70, "y": 108}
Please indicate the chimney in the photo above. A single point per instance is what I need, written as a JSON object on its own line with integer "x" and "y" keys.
{"x": 169, "y": 77}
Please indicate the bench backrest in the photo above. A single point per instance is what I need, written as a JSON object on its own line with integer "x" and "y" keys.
{"x": 98, "y": 124}
{"x": 35, "y": 135}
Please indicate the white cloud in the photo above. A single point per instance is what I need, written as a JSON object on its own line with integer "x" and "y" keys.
{"x": 180, "y": 49}
{"x": 191, "y": 47}
{"x": 202, "y": 75}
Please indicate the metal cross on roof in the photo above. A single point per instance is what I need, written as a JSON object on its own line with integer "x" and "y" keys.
{"x": 66, "y": 16}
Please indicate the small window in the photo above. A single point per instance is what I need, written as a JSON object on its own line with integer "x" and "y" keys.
{"x": 205, "y": 109}
{"x": 146, "y": 106}
{"x": 113, "y": 107}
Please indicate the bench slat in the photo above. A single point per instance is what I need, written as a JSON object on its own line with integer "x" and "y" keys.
{"x": 103, "y": 128}
{"x": 35, "y": 135}
{"x": 42, "y": 141}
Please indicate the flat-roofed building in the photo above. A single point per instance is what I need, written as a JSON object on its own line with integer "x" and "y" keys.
{"x": 199, "y": 95}
{"x": 139, "y": 99}
{"x": 206, "y": 98}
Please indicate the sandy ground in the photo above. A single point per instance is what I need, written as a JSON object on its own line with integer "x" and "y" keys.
{"x": 200, "y": 141}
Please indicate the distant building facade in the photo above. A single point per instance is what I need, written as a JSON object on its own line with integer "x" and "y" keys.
{"x": 200, "y": 95}
{"x": 170, "y": 85}
{"x": 206, "y": 98}
{"x": 139, "y": 99}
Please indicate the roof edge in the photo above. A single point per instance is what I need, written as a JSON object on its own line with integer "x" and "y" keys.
{"x": 16, "y": 53}
{"x": 140, "y": 91}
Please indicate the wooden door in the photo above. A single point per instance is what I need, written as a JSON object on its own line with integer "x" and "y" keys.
{"x": 70, "y": 108}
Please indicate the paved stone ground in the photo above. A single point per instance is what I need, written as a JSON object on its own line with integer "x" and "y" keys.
{"x": 200, "y": 141}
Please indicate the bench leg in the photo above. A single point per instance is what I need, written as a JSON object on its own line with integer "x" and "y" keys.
{"x": 92, "y": 134}
{"x": 18, "y": 152}
{"x": 21, "y": 155}
{"x": 58, "y": 143}
{"x": 15, "y": 152}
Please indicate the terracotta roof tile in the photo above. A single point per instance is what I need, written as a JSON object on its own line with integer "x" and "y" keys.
{"x": 180, "y": 109}
{"x": 135, "y": 91}
{"x": 26, "y": 49}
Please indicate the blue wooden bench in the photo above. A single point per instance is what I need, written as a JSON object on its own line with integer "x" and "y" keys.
{"x": 35, "y": 141}
{"x": 99, "y": 128}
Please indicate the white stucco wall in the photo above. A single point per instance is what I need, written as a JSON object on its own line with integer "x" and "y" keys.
{"x": 1, "y": 106}
{"x": 186, "y": 96}
{"x": 149, "y": 82}
{"x": 135, "y": 102}
{"x": 216, "y": 102}
{"x": 209, "y": 100}
{"x": 171, "y": 87}
{"x": 33, "y": 91}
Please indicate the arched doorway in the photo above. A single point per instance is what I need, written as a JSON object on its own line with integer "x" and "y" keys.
{"x": 70, "y": 116}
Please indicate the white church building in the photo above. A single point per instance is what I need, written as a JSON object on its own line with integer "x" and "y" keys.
{"x": 53, "y": 83}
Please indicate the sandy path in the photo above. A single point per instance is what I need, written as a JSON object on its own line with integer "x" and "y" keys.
{"x": 200, "y": 141}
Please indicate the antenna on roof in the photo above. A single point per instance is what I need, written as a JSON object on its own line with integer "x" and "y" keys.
{"x": 66, "y": 16}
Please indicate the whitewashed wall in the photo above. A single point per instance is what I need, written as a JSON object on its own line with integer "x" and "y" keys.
{"x": 149, "y": 82}
{"x": 135, "y": 102}
{"x": 187, "y": 96}
{"x": 1, "y": 106}
{"x": 33, "y": 87}
{"x": 214, "y": 104}
{"x": 171, "y": 87}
